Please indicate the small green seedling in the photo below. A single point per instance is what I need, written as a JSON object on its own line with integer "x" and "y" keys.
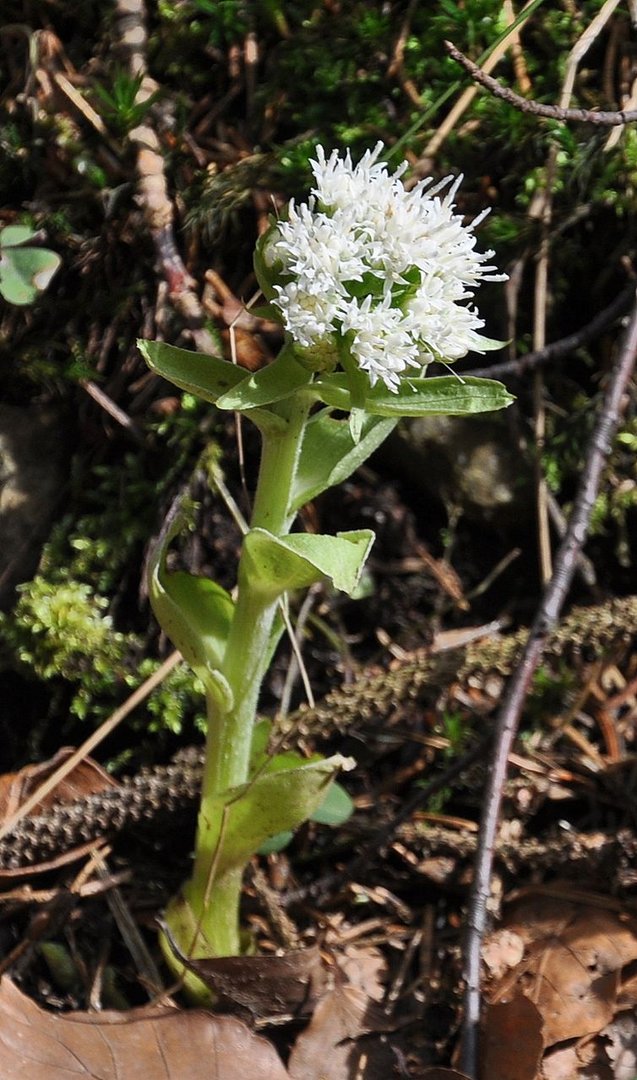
{"x": 25, "y": 271}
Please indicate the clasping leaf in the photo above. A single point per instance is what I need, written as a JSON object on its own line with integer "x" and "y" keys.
{"x": 274, "y": 565}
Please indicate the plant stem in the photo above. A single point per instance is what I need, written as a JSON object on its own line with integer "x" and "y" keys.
{"x": 215, "y": 904}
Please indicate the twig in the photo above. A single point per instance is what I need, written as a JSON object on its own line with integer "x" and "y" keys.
{"x": 542, "y": 210}
{"x": 89, "y": 744}
{"x": 540, "y": 293}
{"x": 396, "y": 66}
{"x": 517, "y": 53}
{"x": 510, "y": 369}
{"x": 526, "y": 105}
{"x": 467, "y": 96}
{"x": 585, "y": 565}
{"x": 130, "y": 29}
{"x": 109, "y": 406}
{"x": 508, "y": 719}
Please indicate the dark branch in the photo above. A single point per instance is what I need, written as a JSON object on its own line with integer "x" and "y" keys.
{"x": 509, "y": 716}
{"x": 509, "y": 369}
{"x": 552, "y": 112}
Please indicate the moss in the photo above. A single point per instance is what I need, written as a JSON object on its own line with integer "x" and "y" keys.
{"x": 78, "y": 626}
{"x": 62, "y": 631}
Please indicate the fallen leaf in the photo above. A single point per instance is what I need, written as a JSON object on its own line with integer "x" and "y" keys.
{"x": 265, "y": 986}
{"x": 332, "y": 1047}
{"x": 511, "y": 1044}
{"x": 573, "y": 965}
{"x": 366, "y": 968}
{"x": 579, "y": 1060}
{"x": 502, "y": 951}
{"x": 149, "y": 1043}
{"x": 621, "y": 1046}
{"x": 87, "y": 778}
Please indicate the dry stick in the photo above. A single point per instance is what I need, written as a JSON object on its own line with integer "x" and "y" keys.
{"x": 552, "y": 112}
{"x": 89, "y": 744}
{"x": 130, "y": 29}
{"x": 517, "y": 368}
{"x": 467, "y": 96}
{"x": 542, "y": 209}
{"x": 112, "y": 409}
{"x": 508, "y": 718}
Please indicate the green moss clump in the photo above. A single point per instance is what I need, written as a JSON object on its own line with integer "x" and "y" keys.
{"x": 62, "y": 634}
{"x": 62, "y": 631}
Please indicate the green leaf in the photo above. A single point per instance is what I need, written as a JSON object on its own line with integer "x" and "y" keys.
{"x": 265, "y": 274}
{"x": 260, "y": 740}
{"x": 262, "y": 761}
{"x": 357, "y": 382}
{"x": 356, "y": 419}
{"x": 274, "y": 565}
{"x": 488, "y": 344}
{"x": 445, "y": 395}
{"x": 272, "y": 803}
{"x": 274, "y": 382}
{"x": 207, "y": 377}
{"x": 276, "y": 843}
{"x": 25, "y": 271}
{"x": 207, "y": 610}
{"x": 267, "y": 311}
{"x": 329, "y": 454}
{"x": 14, "y": 235}
{"x": 336, "y": 808}
{"x": 196, "y": 613}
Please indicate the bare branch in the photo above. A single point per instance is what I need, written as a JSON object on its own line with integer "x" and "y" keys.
{"x": 509, "y": 716}
{"x": 552, "y": 112}
{"x": 510, "y": 369}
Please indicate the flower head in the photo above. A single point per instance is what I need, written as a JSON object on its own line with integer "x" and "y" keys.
{"x": 384, "y": 269}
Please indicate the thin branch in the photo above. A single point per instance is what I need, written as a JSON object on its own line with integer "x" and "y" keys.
{"x": 515, "y": 369}
{"x": 526, "y": 105}
{"x": 509, "y": 39}
{"x": 109, "y": 406}
{"x": 509, "y": 716}
{"x": 159, "y": 214}
{"x": 89, "y": 744}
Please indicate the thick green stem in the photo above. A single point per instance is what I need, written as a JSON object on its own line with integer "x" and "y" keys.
{"x": 214, "y": 901}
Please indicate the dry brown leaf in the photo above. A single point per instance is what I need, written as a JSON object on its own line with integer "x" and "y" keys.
{"x": 539, "y": 917}
{"x": 87, "y": 778}
{"x": 366, "y": 968}
{"x": 512, "y": 1044}
{"x": 585, "y": 1059}
{"x": 331, "y": 1048}
{"x": 502, "y": 951}
{"x": 620, "y": 1046}
{"x": 149, "y": 1043}
{"x": 573, "y": 965}
{"x": 563, "y": 1063}
{"x": 265, "y": 986}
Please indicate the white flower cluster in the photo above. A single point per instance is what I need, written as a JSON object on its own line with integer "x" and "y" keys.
{"x": 386, "y": 266}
